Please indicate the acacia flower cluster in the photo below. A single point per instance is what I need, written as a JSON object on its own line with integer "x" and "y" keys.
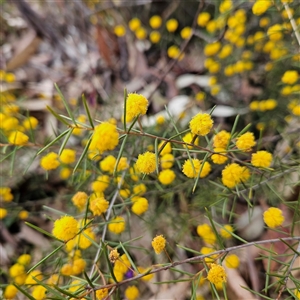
{"x": 117, "y": 225}
{"x": 191, "y": 168}
{"x": 261, "y": 159}
{"x": 105, "y": 137}
{"x": 216, "y": 274}
{"x": 140, "y": 205}
{"x": 246, "y": 141}
{"x": 65, "y": 228}
{"x": 50, "y": 161}
{"x": 234, "y": 174}
{"x": 146, "y": 162}
{"x": 273, "y": 217}
{"x": 201, "y": 124}
{"x": 136, "y": 104}
{"x": 159, "y": 244}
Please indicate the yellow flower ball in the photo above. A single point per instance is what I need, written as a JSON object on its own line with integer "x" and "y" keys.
{"x": 225, "y": 51}
{"x": 166, "y": 176}
{"x": 232, "y": 261}
{"x": 24, "y": 259}
{"x": 261, "y": 6}
{"x": 98, "y": 206}
{"x": 141, "y": 33}
{"x": 200, "y": 96}
{"x": 261, "y": 159}
{"x": 146, "y": 162}
{"x": 246, "y": 141}
{"x": 218, "y": 158}
{"x": 39, "y": 292}
{"x": 10, "y": 292}
{"x": 159, "y": 244}
{"x": 84, "y": 239}
{"x": 66, "y": 270}
{"x": 100, "y": 184}
{"x": 119, "y": 30}
{"x": 273, "y": 217}
{"x": 225, "y": 231}
{"x": 191, "y": 172}
{"x": 146, "y": 277}
{"x": 134, "y": 24}
{"x": 3, "y": 213}
{"x": 50, "y": 161}
{"x": 212, "y": 49}
{"x": 80, "y": 200}
{"x": 160, "y": 120}
{"x": 78, "y": 266}
{"x": 229, "y": 70}
{"x": 136, "y": 104}
{"x": 167, "y": 161}
{"x": 172, "y": 25}
{"x": 216, "y": 274}
{"x": 117, "y": 225}
{"x": 78, "y": 131}
{"x": 10, "y": 77}
{"x": 205, "y": 251}
{"x": 201, "y": 124}
{"x": 233, "y": 174}
{"x": 65, "y": 228}
{"x": 275, "y": 32}
{"x": 65, "y": 173}
{"x": 23, "y": 214}
{"x": 30, "y": 123}
{"x": 105, "y": 137}
{"x": 166, "y": 149}
{"x": 140, "y": 206}
{"x": 139, "y": 189}
{"x": 154, "y": 37}
{"x": 68, "y": 156}
{"x": 173, "y": 52}
{"x": 188, "y": 138}
{"x": 225, "y": 6}
{"x": 186, "y": 32}
{"x": 32, "y": 276}
{"x": 17, "y": 270}
{"x": 132, "y": 292}
{"x": 155, "y": 21}
{"x": 264, "y": 22}
{"x": 101, "y": 294}
{"x": 290, "y": 77}
{"x": 203, "y": 19}
{"x": 18, "y": 138}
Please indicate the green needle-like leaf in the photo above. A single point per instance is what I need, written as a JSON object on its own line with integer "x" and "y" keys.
{"x": 53, "y": 142}
{"x": 65, "y": 103}
{"x": 87, "y": 111}
{"x": 85, "y": 150}
{"x": 57, "y": 116}
{"x": 62, "y": 147}
{"x": 46, "y": 257}
{"x": 120, "y": 154}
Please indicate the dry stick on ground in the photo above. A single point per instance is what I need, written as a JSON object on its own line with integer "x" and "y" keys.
{"x": 194, "y": 259}
{"x": 297, "y": 253}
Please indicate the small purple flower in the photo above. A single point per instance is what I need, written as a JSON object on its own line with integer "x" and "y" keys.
{"x": 129, "y": 274}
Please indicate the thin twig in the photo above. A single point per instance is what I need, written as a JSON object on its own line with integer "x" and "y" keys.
{"x": 288, "y": 272}
{"x": 198, "y": 258}
{"x": 267, "y": 180}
